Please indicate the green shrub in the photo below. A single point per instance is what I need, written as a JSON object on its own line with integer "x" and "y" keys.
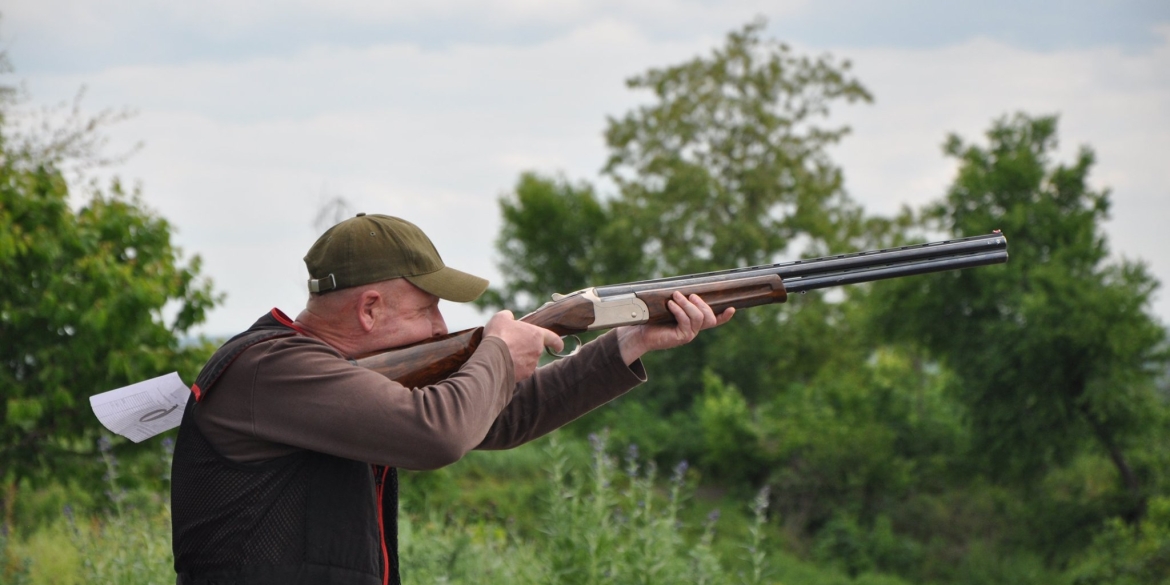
{"x": 1128, "y": 555}
{"x": 858, "y": 550}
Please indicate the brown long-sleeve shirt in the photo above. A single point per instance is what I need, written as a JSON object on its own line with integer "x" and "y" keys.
{"x": 299, "y": 393}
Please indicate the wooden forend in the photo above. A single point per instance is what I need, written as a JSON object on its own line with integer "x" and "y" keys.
{"x": 749, "y": 292}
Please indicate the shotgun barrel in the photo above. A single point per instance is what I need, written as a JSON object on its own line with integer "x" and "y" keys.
{"x": 604, "y": 307}
{"x": 805, "y": 275}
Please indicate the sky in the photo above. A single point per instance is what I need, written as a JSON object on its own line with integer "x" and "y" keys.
{"x": 253, "y": 115}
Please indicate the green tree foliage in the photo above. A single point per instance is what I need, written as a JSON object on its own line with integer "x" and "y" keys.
{"x": 548, "y": 241}
{"x": 848, "y": 445}
{"x": 1125, "y": 555}
{"x": 91, "y": 298}
{"x": 977, "y": 426}
{"x": 1056, "y": 348}
{"x": 725, "y": 167}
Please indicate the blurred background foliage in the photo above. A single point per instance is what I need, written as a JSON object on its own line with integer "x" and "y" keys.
{"x": 1005, "y": 424}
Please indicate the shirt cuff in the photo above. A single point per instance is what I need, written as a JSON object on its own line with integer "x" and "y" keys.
{"x": 614, "y": 370}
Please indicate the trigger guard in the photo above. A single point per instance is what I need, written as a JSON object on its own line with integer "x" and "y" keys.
{"x": 576, "y": 348}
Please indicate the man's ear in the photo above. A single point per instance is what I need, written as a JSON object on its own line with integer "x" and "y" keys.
{"x": 369, "y": 308}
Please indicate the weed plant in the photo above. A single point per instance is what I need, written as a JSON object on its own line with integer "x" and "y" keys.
{"x": 14, "y": 568}
{"x": 129, "y": 545}
{"x": 595, "y": 518}
{"x": 614, "y": 523}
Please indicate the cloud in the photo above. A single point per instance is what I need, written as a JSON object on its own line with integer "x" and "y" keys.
{"x": 240, "y": 153}
{"x": 88, "y": 35}
{"x": 84, "y": 36}
{"x": 1116, "y": 102}
{"x": 924, "y": 24}
{"x": 237, "y": 155}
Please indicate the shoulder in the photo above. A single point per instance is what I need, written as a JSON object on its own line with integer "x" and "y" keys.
{"x": 303, "y": 362}
{"x": 300, "y": 346}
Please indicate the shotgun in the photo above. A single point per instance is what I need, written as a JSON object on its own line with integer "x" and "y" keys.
{"x": 634, "y": 303}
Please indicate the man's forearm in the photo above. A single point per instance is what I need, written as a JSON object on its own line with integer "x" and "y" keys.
{"x": 561, "y": 392}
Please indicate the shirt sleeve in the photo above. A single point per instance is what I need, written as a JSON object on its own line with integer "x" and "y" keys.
{"x": 298, "y": 392}
{"x": 559, "y": 393}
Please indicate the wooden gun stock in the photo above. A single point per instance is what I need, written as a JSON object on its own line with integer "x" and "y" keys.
{"x": 426, "y": 362}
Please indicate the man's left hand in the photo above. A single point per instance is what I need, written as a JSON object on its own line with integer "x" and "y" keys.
{"x": 691, "y": 316}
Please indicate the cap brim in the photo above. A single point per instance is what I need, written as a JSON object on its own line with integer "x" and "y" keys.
{"x": 450, "y": 284}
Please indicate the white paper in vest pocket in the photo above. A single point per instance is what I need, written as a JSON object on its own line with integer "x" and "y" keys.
{"x": 143, "y": 410}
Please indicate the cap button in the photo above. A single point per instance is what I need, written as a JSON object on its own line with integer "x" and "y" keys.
{"x": 361, "y": 214}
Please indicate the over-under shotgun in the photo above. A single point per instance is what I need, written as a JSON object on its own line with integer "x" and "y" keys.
{"x": 605, "y": 307}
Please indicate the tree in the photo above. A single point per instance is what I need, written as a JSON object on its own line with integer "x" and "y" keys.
{"x": 1057, "y": 347}
{"x": 91, "y": 299}
{"x": 727, "y": 166}
{"x": 536, "y": 259}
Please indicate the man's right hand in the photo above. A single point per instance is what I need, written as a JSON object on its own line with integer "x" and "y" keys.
{"x": 525, "y": 342}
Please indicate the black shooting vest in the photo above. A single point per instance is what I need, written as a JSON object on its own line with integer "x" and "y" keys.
{"x": 305, "y": 518}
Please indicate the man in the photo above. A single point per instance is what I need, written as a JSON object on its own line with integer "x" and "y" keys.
{"x": 284, "y": 466}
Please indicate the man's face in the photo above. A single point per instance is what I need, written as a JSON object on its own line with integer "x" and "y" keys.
{"x": 409, "y": 315}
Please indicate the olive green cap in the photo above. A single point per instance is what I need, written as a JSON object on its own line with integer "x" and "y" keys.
{"x": 373, "y": 248}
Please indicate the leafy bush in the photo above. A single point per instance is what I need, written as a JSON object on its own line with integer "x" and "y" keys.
{"x": 1128, "y": 555}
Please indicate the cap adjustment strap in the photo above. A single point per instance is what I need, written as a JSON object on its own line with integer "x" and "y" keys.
{"x": 319, "y": 285}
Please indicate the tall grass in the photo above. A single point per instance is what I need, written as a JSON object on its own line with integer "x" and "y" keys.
{"x": 14, "y": 568}
{"x": 613, "y": 523}
{"x": 128, "y": 543}
{"x": 596, "y": 518}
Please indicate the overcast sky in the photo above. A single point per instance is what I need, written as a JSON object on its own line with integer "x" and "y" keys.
{"x": 253, "y": 114}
